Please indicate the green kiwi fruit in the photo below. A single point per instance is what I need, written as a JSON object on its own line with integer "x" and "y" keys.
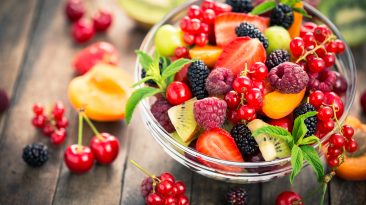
{"x": 271, "y": 147}
{"x": 183, "y": 120}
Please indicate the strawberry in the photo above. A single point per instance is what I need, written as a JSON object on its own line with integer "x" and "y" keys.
{"x": 241, "y": 51}
{"x": 221, "y": 8}
{"x": 99, "y": 52}
{"x": 219, "y": 144}
{"x": 226, "y": 23}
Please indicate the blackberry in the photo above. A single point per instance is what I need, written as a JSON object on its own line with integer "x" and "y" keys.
{"x": 237, "y": 196}
{"x": 197, "y": 75}
{"x": 244, "y": 139}
{"x": 247, "y": 29}
{"x": 152, "y": 82}
{"x": 242, "y": 6}
{"x": 282, "y": 15}
{"x": 35, "y": 154}
{"x": 310, "y": 122}
{"x": 277, "y": 57}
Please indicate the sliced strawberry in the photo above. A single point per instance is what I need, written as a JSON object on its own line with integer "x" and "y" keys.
{"x": 219, "y": 144}
{"x": 222, "y": 8}
{"x": 226, "y": 23}
{"x": 241, "y": 51}
{"x": 182, "y": 74}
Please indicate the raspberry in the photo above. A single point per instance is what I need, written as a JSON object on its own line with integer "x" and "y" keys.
{"x": 237, "y": 196}
{"x": 210, "y": 112}
{"x": 4, "y": 101}
{"x": 197, "y": 74}
{"x": 282, "y": 15}
{"x": 160, "y": 111}
{"x": 35, "y": 154}
{"x": 244, "y": 140}
{"x": 247, "y": 29}
{"x": 310, "y": 122}
{"x": 277, "y": 57}
{"x": 242, "y": 6}
{"x": 323, "y": 81}
{"x": 288, "y": 78}
{"x": 146, "y": 186}
{"x": 219, "y": 81}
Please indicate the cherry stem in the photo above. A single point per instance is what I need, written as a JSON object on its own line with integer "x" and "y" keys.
{"x": 80, "y": 130}
{"x": 144, "y": 170}
{"x": 91, "y": 125}
{"x": 245, "y": 71}
{"x": 336, "y": 118}
{"x": 312, "y": 51}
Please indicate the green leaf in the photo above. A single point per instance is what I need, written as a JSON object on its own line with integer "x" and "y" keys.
{"x": 136, "y": 97}
{"x": 174, "y": 68}
{"x": 276, "y": 132}
{"x": 144, "y": 59}
{"x": 301, "y": 11}
{"x": 290, "y": 2}
{"x": 263, "y": 7}
{"x": 309, "y": 140}
{"x": 299, "y": 130}
{"x": 297, "y": 160}
{"x": 166, "y": 62}
{"x": 324, "y": 191}
{"x": 312, "y": 157}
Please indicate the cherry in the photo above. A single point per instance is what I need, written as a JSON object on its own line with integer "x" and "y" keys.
{"x": 181, "y": 52}
{"x": 337, "y": 140}
{"x": 333, "y": 161}
{"x": 340, "y": 46}
{"x": 325, "y": 113}
{"x": 58, "y": 110}
{"x": 194, "y": 11}
{"x": 258, "y": 71}
{"x": 78, "y": 158}
{"x": 347, "y": 131}
{"x": 74, "y": 9}
{"x": 209, "y": 16}
{"x": 38, "y": 109}
{"x": 105, "y": 148}
{"x": 246, "y": 113}
{"x": 167, "y": 177}
{"x": 297, "y": 46}
{"x": 82, "y": 31}
{"x": 102, "y": 20}
{"x": 165, "y": 188}
{"x": 58, "y": 137}
{"x": 201, "y": 39}
{"x": 351, "y": 146}
{"x": 316, "y": 98}
{"x": 62, "y": 123}
{"x": 232, "y": 99}
{"x": 289, "y": 198}
{"x": 177, "y": 93}
{"x": 39, "y": 121}
{"x": 316, "y": 65}
{"x": 334, "y": 152}
{"x": 183, "y": 200}
{"x": 181, "y": 188}
{"x": 241, "y": 84}
{"x": 254, "y": 98}
{"x": 154, "y": 199}
{"x": 48, "y": 129}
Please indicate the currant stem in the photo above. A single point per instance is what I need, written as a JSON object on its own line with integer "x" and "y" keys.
{"x": 144, "y": 170}
{"x": 91, "y": 125}
{"x": 312, "y": 51}
{"x": 80, "y": 130}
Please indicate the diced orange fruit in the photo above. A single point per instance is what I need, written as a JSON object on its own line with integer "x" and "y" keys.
{"x": 103, "y": 91}
{"x": 208, "y": 54}
{"x": 277, "y": 105}
{"x": 294, "y": 30}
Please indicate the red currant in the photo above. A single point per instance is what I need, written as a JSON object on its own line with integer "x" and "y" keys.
{"x": 329, "y": 59}
{"x": 58, "y": 137}
{"x": 325, "y": 113}
{"x": 316, "y": 98}
{"x": 309, "y": 40}
{"x": 39, "y": 121}
{"x": 332, "y": 47}
{"x": 254, "y": 98}
{"x": 333, "y": 161}
{"x": 178, "y": 92}
{"x": 205, "y": 28}
{"x": 259, "y": 85}
{"x": 165, "y": 188}
{"x": 246, "y": 113}
{"x": 181, "y": 188}
{"x": 58, "y": 110}
{"x": 170, "y": 200}
{"x": 337, "y": 140}
{"x": 102, "y": 20}
{"x": 321, "y": 32}
{"x": 209, "y": 16}
{"x": 297, "y": 46}
{"x": 258, "y": 71}
{"x": 232, "y": 99}
{"x": 332, "y": 99}
{"x": 347, "y": 131}
{"x": 184, "y": 23}
{"x": 167, "y": 177}
{"x": 183, "y": 200}
{"x": 188, "y": 38}
{"x": 307, "y": 27}
{"x": 233, "y": 116}
{"x": 334, "y": 152}
{"x": 194, "y": 26}
{"x": 321, "y": 51}
{"x": 351, "y": 145}
{"x": 181, "y": 52}
{"x": 208, "y": 4}
{"x": 82, "y": 31}
{"x": 62, "y": 123}
{"x": 201, "y": 39}
{"x": 38, "y": 109}
{"x": 316, "y": 65}
{"x": 74, "y": 9}
{"x": 194, "y": 11}
{"x": 326, "y": 126}
{"x": 241, "y": 84}
{"x": 154, "y": 199}
{"x": 340, "y": 46}
{"x": 48, "y": 130}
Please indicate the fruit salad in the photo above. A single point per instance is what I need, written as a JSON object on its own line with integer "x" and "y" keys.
{"x": 247, "y": 83}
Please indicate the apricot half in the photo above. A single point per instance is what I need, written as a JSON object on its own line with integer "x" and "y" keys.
{"x": 208, "y": 54}
{"x": 103, "y": 91}
{"x": 277, "y": 105}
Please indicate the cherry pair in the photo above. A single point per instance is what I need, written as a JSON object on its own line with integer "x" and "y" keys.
{"x": 103, "y": 148}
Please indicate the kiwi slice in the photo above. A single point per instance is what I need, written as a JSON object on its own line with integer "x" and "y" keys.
{"x": 183, "y": 120}
{"x": 271, "y": 147}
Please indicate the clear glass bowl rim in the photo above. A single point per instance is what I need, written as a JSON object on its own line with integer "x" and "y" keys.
{"x": 144, "y": 107}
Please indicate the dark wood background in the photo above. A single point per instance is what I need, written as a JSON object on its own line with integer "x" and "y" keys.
{"x": 35, "y": 66}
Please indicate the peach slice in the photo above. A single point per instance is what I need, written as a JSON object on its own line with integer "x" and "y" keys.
{"x": 208, "y": 54}
{"x": 277, "y": 105}
{"x": 103, "y": 91}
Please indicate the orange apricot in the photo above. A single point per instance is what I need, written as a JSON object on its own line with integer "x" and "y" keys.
{"x": 294, "y": 30}
{"x": 277, "y": 105}
{"x": 208, "y": 54}
{"x": 103, "y": 91}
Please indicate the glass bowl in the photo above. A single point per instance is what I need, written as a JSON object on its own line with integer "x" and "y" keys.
{"x": 236, "y": 172}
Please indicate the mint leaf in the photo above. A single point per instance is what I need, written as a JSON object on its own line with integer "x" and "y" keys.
{"x": 136, "y": 97}
{"x": 174, "y": 68}
{"x": 310, "y": 140}
{"x": 301, "y": 11}
{"x": 290, "y": 3}
{"x": 165, "y": 62}
{"x": 276, "y": 132}
{"x": 263, "y": 7}
{"x": 297, "y": 160}
{"x": 299, "y": 130}
{"x": 144, "y": 59}
{"x": 312, "y": 157}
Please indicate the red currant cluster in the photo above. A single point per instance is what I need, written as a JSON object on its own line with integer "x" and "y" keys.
{"x": 181, "y": 52}
{"x": 84, "y": 29}
{"x": 198, "y": 26}
{"x": 54, "y": 124}
{"x": 246, "y": 98}
{"x": 103, "y": 148}
{"x": 316, "y": 47}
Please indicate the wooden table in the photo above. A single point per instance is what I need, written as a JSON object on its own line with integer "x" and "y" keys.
{"x": 35, "y": 66}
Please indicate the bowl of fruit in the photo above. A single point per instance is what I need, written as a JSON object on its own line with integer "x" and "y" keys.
{"x": 246, "y": 92}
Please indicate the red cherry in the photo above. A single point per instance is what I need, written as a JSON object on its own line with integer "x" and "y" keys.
{"x": 316, "y": 98}
{"x": 58, "y": 110}
{"x": 154, "y": 199}
{"x": 232, "y": 99}
{"x": 58, "y": 137}
{"x": 348, "y": 131}
{"x": 102, "y": 20}
{"x": 316, "y": 65}
{"x": 181, "y": 188}
{"x": 297, "y": 46}
{"x": 181, "y": 52}
{"x": 48, "y": 130}
{"x": 62, "y": 123}
{"x": 351, "y": 146}
{"x": 74, "y": 9}
{"x": 325, "y": 113}
{"x": 258, "y": 71}
{"x": 177, "y": 93}
{"x": 79, "y": 159}
{"x": 340, "y": 46}
{"x": 188, "y": 38}
{"x": 333, "y": 161}
{"x": 167, "y": 177}
{"x": 170, "y": 200}
{"x": 194, "y": 11}
{"x": 165, "y": 188}
{"x": 208, "y": 4}
{"x": 201, "y": 39}
{"x": 337, "y": 140}
{"x": 38, "y": 109}
{"x": 289, "y": 198}
{"x": 241, "y": 84}
{"x": 39, "y": 121}
{"x": 183, "y": 200}
{"x": 246, "y": 113}
{"x": 82, "y": 31}
{"x": 334, "y": 152}
{"x": 209, "y": 16}
{"x": 254, "y": 98}
{"x": 105, "y": 148}
{"x": 329, "y": 59}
